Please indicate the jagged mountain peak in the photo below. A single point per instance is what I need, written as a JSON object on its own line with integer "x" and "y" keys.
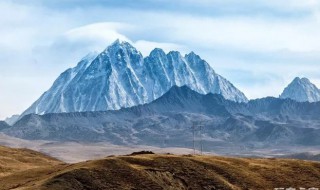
{"x": 120, "y": 44}
{"x": 192, "y": 55}
{"x": 175, "y": 54}
{"x": 12, "y": 120}
{"x": 121, "y": 77}
{"x": 301, "y": 90}
{"x": 302, "y": 80}
{"x": 157, "y": 52}
{"x": 180, "y": 92}
{"x": 90, "y": 56}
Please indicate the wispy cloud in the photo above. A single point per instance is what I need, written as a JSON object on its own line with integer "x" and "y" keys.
{"x": 259, "y": 46}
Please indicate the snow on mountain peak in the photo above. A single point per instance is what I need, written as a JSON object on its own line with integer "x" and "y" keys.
{"x": 192, "y": 55}
{"x": 121, "y": 44}
{"x": 90, "y": 56}
{"x": 157, "y": 52}
{"x": 118, "y": 42}
{"x": 121, "y": 77}
{"x": 301, "y": 90}
{"x": 302, "y": 80}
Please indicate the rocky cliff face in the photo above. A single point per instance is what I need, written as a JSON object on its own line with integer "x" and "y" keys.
{"x": 301, "y": 90}
{"x": 121, "y": 77}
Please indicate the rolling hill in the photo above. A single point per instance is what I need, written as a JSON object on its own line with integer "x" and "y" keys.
{"x": 154, "y": 171}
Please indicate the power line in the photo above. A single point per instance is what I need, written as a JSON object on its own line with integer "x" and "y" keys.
{"x": 193, "y": 140}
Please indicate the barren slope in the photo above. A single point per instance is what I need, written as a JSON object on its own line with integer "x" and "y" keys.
{"x": 186, "y": 172}
{"x": 20, "y": 166}
{"x": 154, "y": 171}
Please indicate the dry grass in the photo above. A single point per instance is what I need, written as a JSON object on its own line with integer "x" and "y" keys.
{"x": 148, "y": 171}
{"x": 20, "y": 166}
{"x": 13, "y": 160}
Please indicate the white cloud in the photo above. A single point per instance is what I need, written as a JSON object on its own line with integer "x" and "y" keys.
{"x": 251, "y": 38}
{"x": 145, "y": 47}
{"x": 98, "y": 35}
{"x": 77, "y": 42}
{"x": 248, "y": 33}
{"x": 74, "y": 44}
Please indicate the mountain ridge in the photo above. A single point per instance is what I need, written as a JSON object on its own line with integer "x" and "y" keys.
{"x": 301, "y": 90}
{"x": 121, "y": 77}
{"x": 166, "y": 121}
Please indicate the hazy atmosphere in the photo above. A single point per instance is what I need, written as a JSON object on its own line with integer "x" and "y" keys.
{"x": 159, "y": 94}
{"x": 260, "y": 47}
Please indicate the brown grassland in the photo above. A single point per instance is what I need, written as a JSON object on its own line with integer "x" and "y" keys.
{"x": 26, "y": 169}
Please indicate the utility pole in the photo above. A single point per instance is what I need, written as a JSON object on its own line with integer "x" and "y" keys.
{"x": 194, "y": 127}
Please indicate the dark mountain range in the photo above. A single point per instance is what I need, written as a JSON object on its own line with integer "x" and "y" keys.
{"x": 4, "y": 125}
{"x": 167, "y": 121}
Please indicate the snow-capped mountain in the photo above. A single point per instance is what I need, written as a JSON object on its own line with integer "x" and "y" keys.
{"x": 12, "y": 120}
{"x": 121, "y": 77}
{"x": 301, "y": 90}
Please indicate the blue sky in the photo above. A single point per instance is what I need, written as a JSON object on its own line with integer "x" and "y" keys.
{"x": 260, "y": 46}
